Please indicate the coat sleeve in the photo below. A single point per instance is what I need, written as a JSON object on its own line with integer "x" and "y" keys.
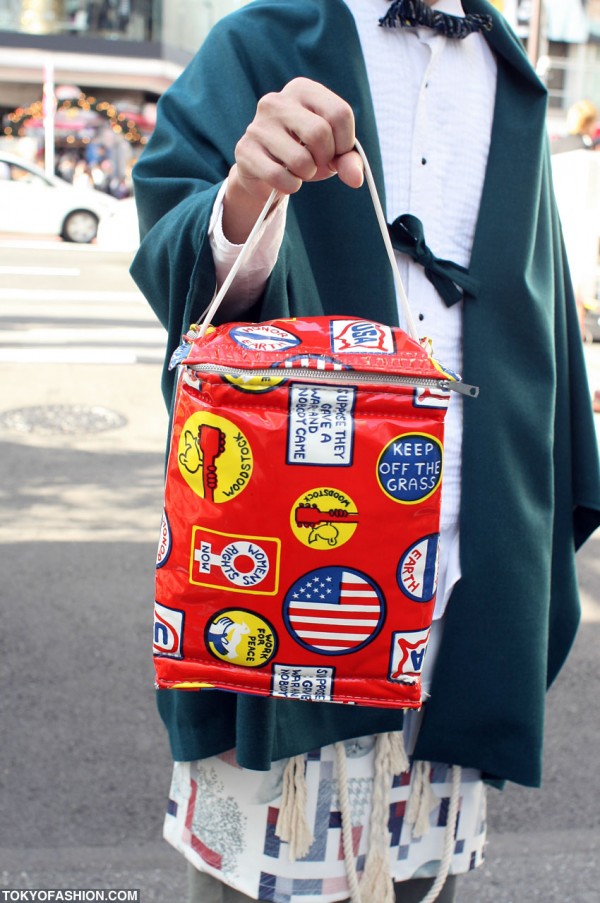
{"x": 576, "y": 468}
{"x": 584, "y": 447}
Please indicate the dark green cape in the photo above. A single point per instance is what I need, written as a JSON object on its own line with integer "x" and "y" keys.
{"x": 530, "y": 491}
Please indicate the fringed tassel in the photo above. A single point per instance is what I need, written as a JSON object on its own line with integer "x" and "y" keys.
{"x": 449, "y": 835}
{"x": 422, "y": 800}
{"x": 292, "y": 824}
{"x": 376, "y": 883}
{"x": 398, "y": 758}
{"x": 390, "y": 759}
{"x": 347, "y": 839}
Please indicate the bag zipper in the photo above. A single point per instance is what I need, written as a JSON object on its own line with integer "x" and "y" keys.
{"x": 341, "y": 377}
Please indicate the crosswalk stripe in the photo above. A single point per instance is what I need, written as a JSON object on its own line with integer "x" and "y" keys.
{"x": 78, "y": 327}
{"x": 83, "y": 355}
{"x": 50, "y": 335}
{"x": 39, "y": 271}
{"x": 34, "y": 294}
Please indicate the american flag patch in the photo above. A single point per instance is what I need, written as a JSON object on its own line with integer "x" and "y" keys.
{"x": 334, "y": 610}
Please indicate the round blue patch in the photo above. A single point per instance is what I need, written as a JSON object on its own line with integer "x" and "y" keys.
{"x": 409, "y": 468}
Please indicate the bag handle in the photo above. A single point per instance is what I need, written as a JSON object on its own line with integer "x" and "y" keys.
{"x": 247, "y": 249}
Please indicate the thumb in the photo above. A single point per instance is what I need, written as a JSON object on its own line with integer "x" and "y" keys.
{"x": 349, "y": 168}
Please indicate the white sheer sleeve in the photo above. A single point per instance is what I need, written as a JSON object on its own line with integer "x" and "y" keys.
{"x": 253, "y": 275}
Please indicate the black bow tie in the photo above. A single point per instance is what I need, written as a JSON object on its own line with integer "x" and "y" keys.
{"x": 412, "y": 13}
{"x": 450, "y": 279}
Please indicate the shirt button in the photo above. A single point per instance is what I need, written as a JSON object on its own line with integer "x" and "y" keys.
{"x": 423, "y": 161}
{"x": 421, "y": 317}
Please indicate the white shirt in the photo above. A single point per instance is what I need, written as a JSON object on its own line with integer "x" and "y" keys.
{"x": 434, "y": 166}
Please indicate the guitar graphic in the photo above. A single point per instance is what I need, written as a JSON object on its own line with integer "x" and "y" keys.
{"x": 322, "y": 523}
{"x": 202, "y": 451}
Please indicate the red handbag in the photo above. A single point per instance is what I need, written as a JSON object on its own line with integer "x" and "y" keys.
{"x": 298, "y": 555}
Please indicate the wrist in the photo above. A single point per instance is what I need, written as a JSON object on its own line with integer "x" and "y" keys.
{"x": 240, "y": 208}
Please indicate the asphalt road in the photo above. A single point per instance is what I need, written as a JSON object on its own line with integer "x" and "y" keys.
{"x": 84, "y": 764}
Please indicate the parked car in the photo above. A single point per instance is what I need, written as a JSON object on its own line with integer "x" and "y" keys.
{"x": 32, "y": 202}
{"x": 119, "y": 230}
{"x": 591, "y": 321}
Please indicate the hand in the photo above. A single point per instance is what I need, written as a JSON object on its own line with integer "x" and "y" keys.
{"x": 304, "y": 133}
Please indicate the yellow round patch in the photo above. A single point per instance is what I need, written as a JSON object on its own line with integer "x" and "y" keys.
{"x": 254, "y": 382}
{"x": 214, "y": 456}
{"x": 240, "y": 637}
{"x": 324, "y": 518}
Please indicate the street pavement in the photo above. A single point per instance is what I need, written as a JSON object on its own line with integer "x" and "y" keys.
{"x": 84, "y": 763}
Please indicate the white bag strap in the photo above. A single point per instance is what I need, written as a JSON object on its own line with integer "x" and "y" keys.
{"x": 248, "y": 246}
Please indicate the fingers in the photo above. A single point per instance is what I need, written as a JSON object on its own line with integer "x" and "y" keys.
{"x": 303, "y": 133}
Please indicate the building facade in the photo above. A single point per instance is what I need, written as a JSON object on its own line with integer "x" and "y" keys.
{"x": 108, "y": 60}
{"x": 125, "y": 53}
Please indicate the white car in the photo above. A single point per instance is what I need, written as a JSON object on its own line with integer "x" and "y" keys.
{"x": 32, "y": 202}
{"x": 119, "y": 230}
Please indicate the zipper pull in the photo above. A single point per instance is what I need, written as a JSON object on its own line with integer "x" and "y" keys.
{"x": 460, "y": 387}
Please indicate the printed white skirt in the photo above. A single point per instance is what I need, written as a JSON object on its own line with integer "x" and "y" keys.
{"x": 222, "y": 818}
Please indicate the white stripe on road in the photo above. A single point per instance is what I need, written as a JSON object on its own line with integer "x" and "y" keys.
{"x": 54, "y": 336}
{"x": 38, "y": 294}
{"x": 39, "y": 271}
{"x": 28, "y": 244}
{"x": 77, "y": 356}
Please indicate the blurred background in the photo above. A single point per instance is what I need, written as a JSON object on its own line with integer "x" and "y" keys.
{"x": 84, "y": 763}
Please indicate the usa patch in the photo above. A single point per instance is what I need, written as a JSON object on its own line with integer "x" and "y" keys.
{"x": 361, "y": 337}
